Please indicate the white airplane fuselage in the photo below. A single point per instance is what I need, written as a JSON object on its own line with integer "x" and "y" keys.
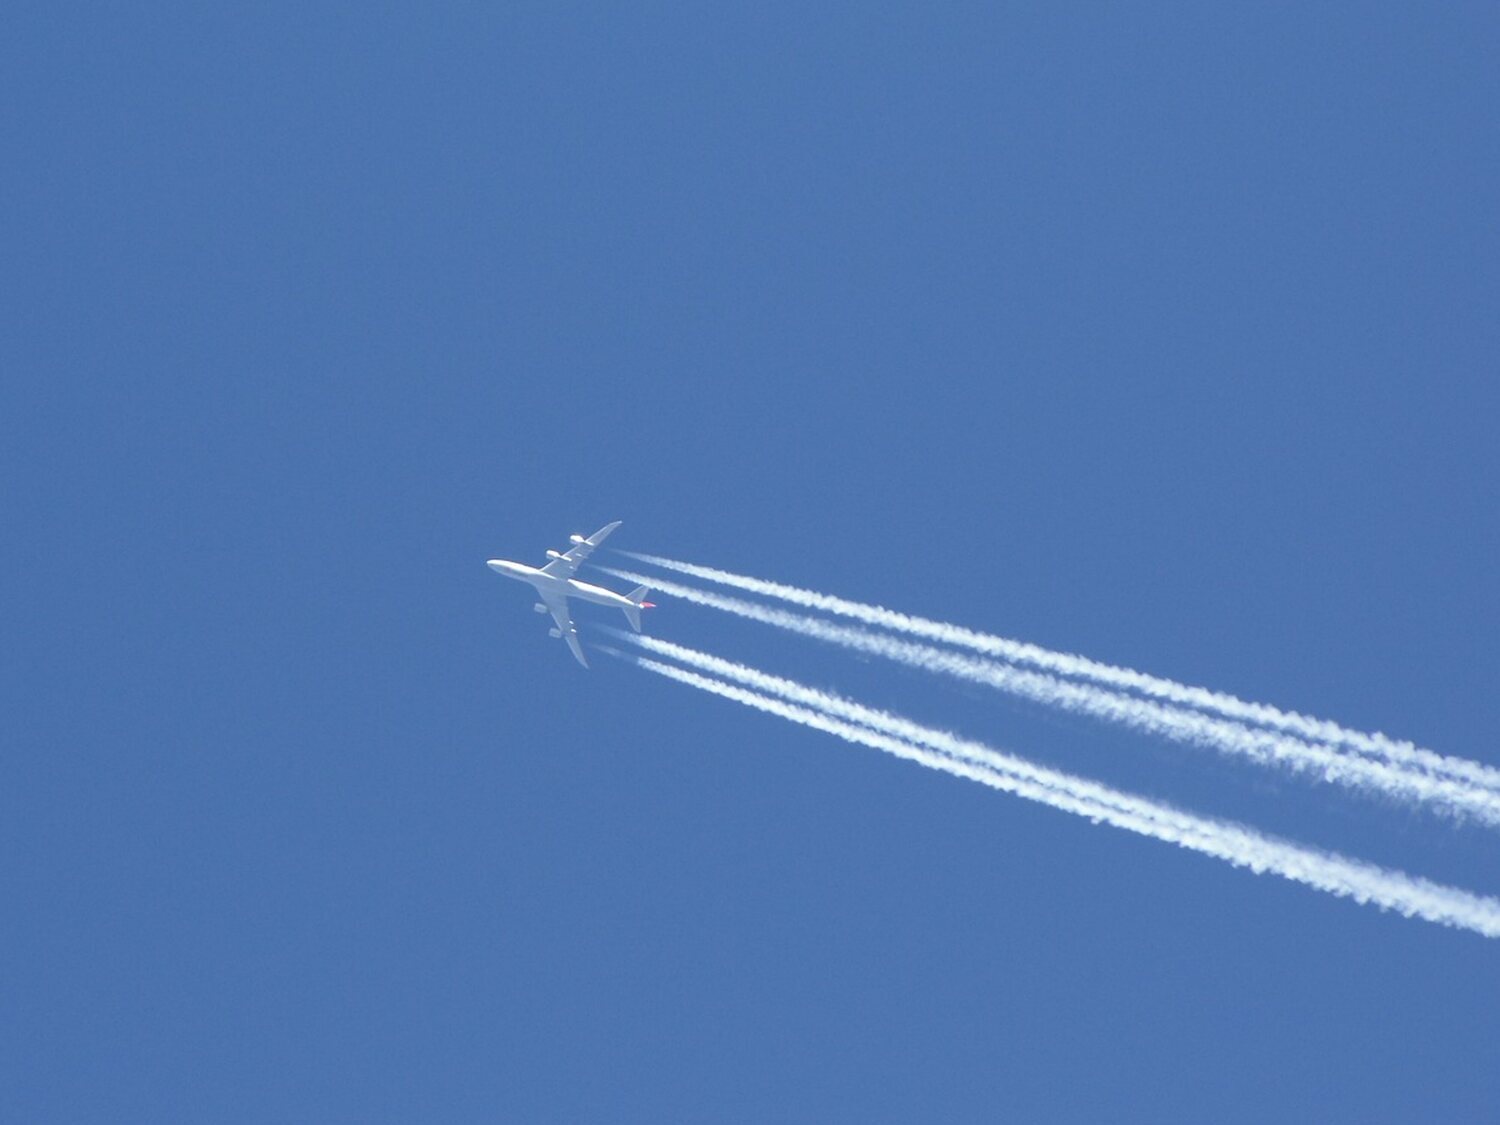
{"x": 561, "y": 587}
{"x": 554, "y": 585}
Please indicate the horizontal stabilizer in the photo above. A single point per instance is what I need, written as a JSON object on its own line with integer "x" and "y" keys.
{"x": 638, "y": 602}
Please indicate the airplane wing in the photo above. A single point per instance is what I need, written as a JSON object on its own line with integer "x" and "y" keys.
{"x": 564, "y": 564}
{"x": 558, "y": 607}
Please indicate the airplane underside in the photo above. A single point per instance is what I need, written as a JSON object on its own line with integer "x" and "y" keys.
{"x": 554, "y": 584}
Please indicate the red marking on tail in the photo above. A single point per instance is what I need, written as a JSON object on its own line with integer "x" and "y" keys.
{"x": 648, "y": 605}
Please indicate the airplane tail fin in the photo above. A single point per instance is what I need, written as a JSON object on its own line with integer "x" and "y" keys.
{"x": 637, "y": 598}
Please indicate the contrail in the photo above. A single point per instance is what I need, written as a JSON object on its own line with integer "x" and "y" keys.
{"x": 1191, "y": 727}
{"x": 1235, "y": 844}
{"x": 1081, "y": 667}
{"x": 884, "y": 722}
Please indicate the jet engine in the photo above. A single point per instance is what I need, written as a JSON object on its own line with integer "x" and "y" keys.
{"x": 555, "y": 634}
{"x": 539, "y": 608}
{"x": 554, "y": 554}
{"x": 576, "y": 538}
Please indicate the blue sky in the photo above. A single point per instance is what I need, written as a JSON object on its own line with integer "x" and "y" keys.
{"x": 1158, "y": 333}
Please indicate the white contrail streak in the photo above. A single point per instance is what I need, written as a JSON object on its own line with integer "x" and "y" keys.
{"x": 1236, "y": 844}
{"x": 1265, "y": 747}
{"x": 1081, "y": 667}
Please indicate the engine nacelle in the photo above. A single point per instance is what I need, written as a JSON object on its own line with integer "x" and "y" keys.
{"x": 555, "y": 634}
{"x": 554, "y": 554}
{"x": 539, "y": 608}
{"x": 576, "y": 538}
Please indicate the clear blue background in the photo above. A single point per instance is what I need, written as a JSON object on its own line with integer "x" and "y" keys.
{"x": 1161, "y": 333}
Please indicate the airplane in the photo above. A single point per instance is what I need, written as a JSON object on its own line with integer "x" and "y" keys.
{"x": 555, "y": 584}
